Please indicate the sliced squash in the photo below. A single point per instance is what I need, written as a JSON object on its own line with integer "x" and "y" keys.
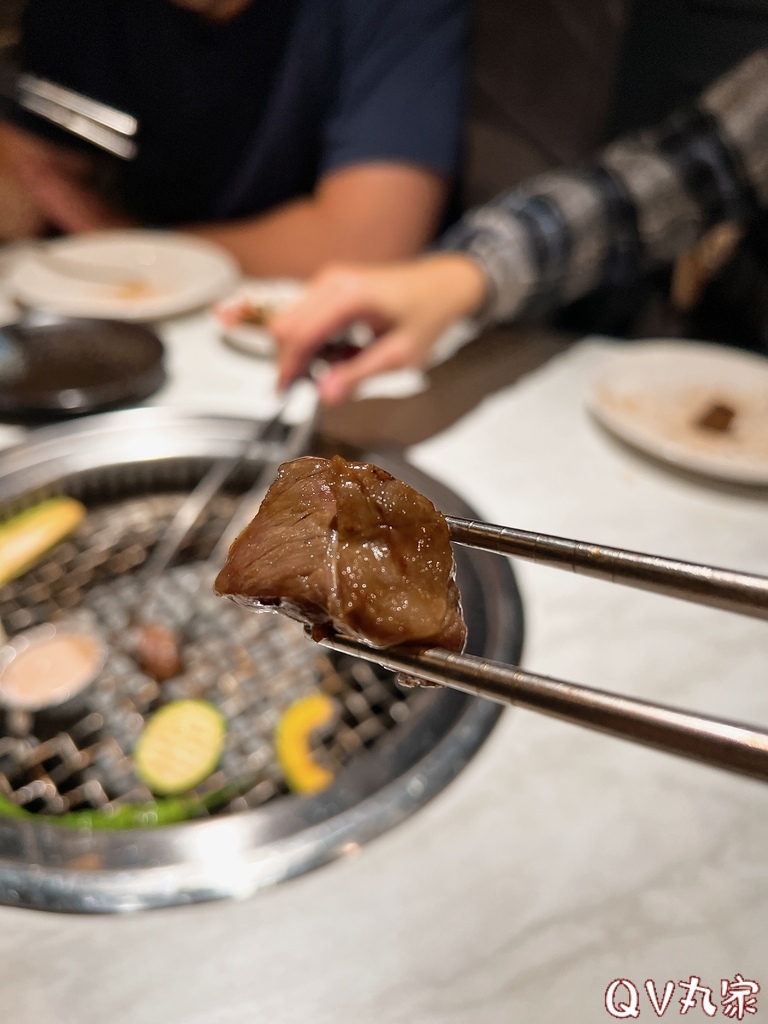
{"x": 26, "y": 537}
{"x": 180, "y": 746}
{"x": 293, "y": 743}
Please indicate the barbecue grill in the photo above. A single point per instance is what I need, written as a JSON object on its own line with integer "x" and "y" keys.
{"x": 390, "y": 748}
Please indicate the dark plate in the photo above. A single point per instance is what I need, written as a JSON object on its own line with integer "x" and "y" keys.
{"x": 56, "y": 367}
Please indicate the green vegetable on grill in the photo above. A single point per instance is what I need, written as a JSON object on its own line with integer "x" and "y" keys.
{"x": 180, "y": 747}
{"x": 150, "y": 814}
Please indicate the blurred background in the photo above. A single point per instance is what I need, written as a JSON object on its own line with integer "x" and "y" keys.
{"x": 557, "y": 859}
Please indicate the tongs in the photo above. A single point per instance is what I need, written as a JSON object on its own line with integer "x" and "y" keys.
{"x": 260, "y": 440}
{"x": 103, "y": 126}
{"x": 723, "y": 744}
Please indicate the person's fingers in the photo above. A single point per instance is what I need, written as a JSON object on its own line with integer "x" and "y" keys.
{"x": 328, "y": 306}
{"x": 407, "y": 306}
{"x": 392, "y": 351}
{"x": 53, "y": 194}
{"x": 316, "y": 315}
{"x": 67, "y": 203}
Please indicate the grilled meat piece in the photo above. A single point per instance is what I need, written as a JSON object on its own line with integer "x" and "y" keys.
{"x": 346, "y": 545}
{"x": 718, "y": 417}
{"x": 156, "y": 649}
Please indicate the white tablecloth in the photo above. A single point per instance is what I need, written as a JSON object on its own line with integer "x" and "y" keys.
{"x": 559, "y": 860}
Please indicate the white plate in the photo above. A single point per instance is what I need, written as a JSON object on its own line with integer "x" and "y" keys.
{"x": 9, "y": 311}
{"x": 263, "y": 295}
{"x": 165, "y": 274}
{"x": 652, "y": 394}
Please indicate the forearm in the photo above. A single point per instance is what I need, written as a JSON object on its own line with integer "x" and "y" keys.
{"x": 648, "y": 199}
{"x": 293, "y": 241}
{"x": 365, "y": 214}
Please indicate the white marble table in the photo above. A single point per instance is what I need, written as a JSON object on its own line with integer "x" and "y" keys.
{"x": 559, "y": 860}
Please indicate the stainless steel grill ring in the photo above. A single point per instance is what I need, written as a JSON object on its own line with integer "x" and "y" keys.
{"x": 391, "y": 749}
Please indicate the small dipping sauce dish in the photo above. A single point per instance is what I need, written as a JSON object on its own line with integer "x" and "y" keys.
{"x": 48, "y": 667}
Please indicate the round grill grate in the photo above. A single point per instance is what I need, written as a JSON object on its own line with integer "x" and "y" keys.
{"x": 251, "y": 666}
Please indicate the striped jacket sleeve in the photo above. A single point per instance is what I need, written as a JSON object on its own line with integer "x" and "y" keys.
{"x": 647, "y": 199}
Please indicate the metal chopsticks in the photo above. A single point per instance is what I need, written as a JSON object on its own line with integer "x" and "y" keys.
{"x": 745, "y": 593}
{"x": 721, "y": 744}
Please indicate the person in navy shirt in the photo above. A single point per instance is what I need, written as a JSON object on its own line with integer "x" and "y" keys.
{"x": 293, "y": 132}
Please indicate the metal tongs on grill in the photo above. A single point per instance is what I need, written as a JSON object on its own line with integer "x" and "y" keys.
{"x": 262, "y": 435}
{"x": 111, "y": 130}
{"x": 722, "y": 744}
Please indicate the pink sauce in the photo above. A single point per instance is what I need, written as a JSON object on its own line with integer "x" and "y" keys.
{"x": 49, "y": 671}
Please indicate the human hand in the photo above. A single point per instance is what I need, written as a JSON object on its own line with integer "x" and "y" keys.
{"x": 56, "y": 181}
{"x": 407, "y": 306}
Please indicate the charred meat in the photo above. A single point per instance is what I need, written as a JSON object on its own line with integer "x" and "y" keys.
{"x": 346, "y": 545}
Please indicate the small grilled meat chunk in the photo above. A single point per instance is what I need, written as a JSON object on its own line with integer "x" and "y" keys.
{"x": 156, "y": 649}
{"x": 718, "y": 417}
{"x": 346, "y": 545}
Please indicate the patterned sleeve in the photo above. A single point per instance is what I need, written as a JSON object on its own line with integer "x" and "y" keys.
{"x": 648, "y": 198}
